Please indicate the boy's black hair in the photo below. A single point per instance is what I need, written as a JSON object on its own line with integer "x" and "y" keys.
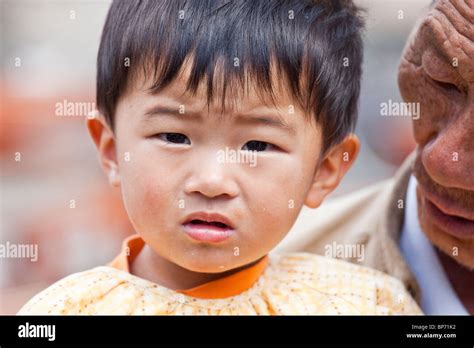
{"x": 315, "y": 46}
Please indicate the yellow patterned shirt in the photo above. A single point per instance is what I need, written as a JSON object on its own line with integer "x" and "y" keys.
{"x": 292, "y": 284}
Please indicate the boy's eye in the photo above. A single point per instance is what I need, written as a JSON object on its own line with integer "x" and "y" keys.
{"x": 255, "y": 145}
{"x": 175, "y": 138}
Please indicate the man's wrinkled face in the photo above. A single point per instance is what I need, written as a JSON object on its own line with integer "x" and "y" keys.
{"x": 252, "y": 165}
{"x": 437, "y": 70}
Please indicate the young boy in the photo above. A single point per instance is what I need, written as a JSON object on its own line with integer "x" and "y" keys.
{"x": 218, "y": 121}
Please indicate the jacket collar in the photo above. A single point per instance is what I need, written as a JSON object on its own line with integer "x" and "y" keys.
{"x": 387, "y": 253}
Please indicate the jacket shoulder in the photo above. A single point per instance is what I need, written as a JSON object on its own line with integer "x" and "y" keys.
{"x": 369, "y": 290}
{"x": 74, "y": 293}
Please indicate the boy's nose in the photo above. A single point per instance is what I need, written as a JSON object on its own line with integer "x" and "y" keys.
{"x": 211, "y": 178}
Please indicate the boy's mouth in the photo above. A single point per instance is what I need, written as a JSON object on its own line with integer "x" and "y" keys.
{"x": 211, "y": 223}
{"x": 208, "y": 227}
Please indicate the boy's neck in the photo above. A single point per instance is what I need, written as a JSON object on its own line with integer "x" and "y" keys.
{"x": 151, "y": 266}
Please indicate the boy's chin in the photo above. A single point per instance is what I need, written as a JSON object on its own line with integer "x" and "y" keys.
{"x": 210, "y": 266}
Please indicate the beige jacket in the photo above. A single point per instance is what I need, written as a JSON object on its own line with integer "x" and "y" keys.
{"x": 372, "y": 217}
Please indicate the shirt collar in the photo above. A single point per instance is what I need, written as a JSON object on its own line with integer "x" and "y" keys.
{"x": 227, "y": 286}
{"x": 437, "y": 295}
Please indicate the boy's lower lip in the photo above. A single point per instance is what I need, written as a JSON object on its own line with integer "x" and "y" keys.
{"x": 207, "y": 233}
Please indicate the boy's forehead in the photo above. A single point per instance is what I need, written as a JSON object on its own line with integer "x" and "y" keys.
{"x": 246, "y": 108}
{"x": 261, "y": 115}
{"x": 240, "y": 96}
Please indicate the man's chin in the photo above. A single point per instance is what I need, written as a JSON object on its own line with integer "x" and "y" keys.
{"x": 460, "y": 250}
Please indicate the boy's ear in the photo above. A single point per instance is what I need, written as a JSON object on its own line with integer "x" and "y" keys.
{"x": 104, "y": 140}
{"x": 332, "y": 169}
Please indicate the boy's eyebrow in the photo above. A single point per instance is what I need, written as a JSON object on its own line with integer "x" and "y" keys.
{"x": 273, "y": 120}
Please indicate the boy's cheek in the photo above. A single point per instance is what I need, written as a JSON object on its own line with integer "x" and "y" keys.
{"x": 151, "y": 195}
{"x": 274, "y": 210}
{"x": 147, "y": 198}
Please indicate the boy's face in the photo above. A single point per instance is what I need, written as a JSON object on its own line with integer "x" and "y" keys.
{"x": 176, "y": 157}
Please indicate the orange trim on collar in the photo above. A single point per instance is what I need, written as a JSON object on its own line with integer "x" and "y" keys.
{"x": 227, "y": 286}
{"x": 131, "y": 247}
{"x": 230, "y": 285}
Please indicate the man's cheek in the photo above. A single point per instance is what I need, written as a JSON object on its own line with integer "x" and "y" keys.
{"x": 431, "y": 107}
{"x": 412, "y": 86}
{"x": 421, "y": 131}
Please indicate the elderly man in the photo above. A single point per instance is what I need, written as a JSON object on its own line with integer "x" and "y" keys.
{"x": 419, "y": 225}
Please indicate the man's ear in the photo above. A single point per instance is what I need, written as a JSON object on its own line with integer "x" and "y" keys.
{"x": 331, "y": 170}
{"x": 104, "y": 139}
